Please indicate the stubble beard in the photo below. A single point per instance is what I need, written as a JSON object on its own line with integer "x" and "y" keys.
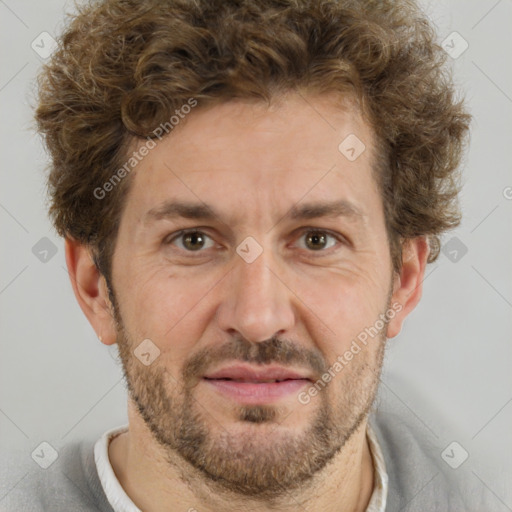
{"x": 256, "y": 457}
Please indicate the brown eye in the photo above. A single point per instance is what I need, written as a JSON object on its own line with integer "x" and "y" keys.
{"x": 316, "y": 240}
{"x": 192, "y": 241}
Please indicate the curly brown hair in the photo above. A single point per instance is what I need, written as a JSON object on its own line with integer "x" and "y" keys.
{"x": 122, "y": 67}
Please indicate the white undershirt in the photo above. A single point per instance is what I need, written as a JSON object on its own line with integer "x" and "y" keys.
{"x": 120, "y": 501}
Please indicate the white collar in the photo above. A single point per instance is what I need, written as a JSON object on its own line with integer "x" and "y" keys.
{"x": 115, "y": 493}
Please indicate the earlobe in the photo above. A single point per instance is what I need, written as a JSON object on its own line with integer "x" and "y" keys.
{"x": 408, "y": 284}
{"x": 90, "y": 290}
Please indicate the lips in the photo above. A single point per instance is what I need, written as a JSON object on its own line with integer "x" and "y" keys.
{"x": 248, "y": 374}
{"x": 257, "y": 385}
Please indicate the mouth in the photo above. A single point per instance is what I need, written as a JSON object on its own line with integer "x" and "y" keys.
{"x": 253, "y": 381}
{"x": 256, "y": 385}
{"x": 257, "y": 374}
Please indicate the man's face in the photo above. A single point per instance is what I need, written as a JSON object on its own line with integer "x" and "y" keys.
{"x": 210, "y": 300}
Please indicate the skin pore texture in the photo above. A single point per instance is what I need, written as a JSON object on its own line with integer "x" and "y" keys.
{"x": 299, "y": 304}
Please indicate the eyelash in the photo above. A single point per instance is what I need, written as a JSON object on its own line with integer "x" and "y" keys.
{"x": 169, "y": 240}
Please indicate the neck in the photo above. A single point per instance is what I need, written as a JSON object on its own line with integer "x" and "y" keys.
{"x": 154, "y": 485}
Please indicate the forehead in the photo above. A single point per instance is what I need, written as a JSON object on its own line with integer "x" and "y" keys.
{"x": 313, "y": 125}
{"x": 242, "y": 153}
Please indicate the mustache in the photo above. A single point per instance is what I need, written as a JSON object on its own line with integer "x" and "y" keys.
{"x": 273, "y": 350}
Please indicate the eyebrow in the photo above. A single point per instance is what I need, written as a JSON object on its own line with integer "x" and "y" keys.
{"x": 202, "y": 211}
{"x": 175, "y": 209}
{"x": 340, "y": 208}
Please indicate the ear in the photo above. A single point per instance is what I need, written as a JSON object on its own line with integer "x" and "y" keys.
{"x": 408, "y": 283}
{"x": 91, "y": 290}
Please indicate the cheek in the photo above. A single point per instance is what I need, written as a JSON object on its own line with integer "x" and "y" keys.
{"x": 344, "y": 305}
{"x": 345, "y": 299}
{"x": 161, "y": 306}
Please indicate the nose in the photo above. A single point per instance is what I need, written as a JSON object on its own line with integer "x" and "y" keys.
{"x": 256, "y": 303}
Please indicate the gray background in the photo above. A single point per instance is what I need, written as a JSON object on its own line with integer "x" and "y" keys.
{"x": 450, "y": 369}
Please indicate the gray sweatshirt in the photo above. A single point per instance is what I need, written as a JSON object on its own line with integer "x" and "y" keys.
{"x": 419, "y": 479}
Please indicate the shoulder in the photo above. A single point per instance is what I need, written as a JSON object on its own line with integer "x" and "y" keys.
{"x": 49, "y": 479}
{"x": 419, "y": 476}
